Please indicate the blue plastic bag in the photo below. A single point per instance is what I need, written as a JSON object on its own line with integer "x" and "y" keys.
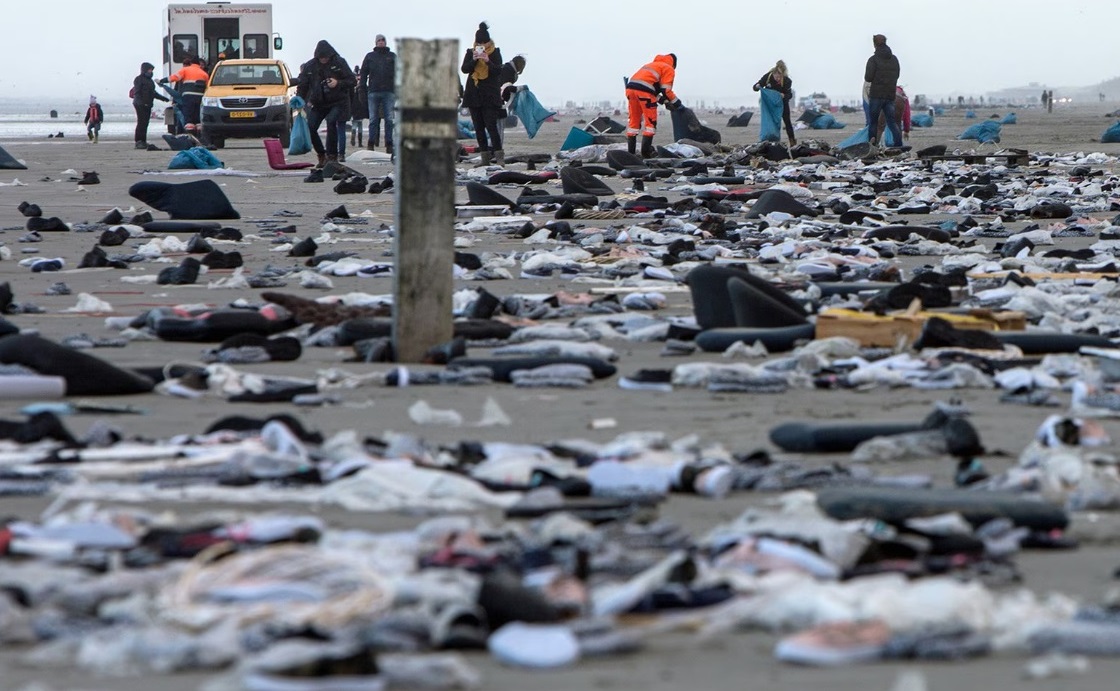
{"x": 770, "y": 115}
{"x": 196, "y": 157}
{"x": 984, "y": 132}
{"x": 924, "y": 120}
{"x": 825, "y": 121}
{"x": 1009, "y": 119}
{"x": 300, "y": 141}
{"x": 529, "y": 111}
{"x": 1112, "y": 134}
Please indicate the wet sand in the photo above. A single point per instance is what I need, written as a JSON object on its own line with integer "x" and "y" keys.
{"x": 740, "y": 422}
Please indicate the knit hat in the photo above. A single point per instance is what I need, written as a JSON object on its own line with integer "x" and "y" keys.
{"x": 483, "y": 33}
{"x": 92, "y": 99}
{"x": 380, "y": 37}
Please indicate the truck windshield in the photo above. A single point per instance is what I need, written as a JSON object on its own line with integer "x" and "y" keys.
{"x": 234, "y": 75}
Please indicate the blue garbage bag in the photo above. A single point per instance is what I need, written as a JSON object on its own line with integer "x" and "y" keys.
{"x": 924, "y": 120}
{"x": 770, "y": 115}
{"x": 984, "y": 132}
{"x": 466, "y": 129}
{"x": 825, "y": 121}
{"x": 861, "y": 137}
{"x": 1112, "y": 134}
{"x": 970, "y": 115}
{"x": 1009, "y": 119}
{"x": 300, "y": 141}
{"x": 197, "y": 157}
{"x": 529, "y": 111}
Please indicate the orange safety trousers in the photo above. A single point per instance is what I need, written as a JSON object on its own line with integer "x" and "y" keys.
{"x": 642, "y": 106}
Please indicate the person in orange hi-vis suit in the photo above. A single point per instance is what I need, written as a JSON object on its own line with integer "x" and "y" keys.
{"x": 650, "y": 85}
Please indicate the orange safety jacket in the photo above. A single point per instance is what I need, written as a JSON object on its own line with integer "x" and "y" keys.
{"x": 655, "y": 77}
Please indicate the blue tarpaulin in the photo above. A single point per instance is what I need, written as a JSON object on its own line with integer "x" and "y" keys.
{"x": 860, "y": 137}
{"x": 1112, "y": 134}
{"x": 196, "y": 157}
{"x": 984, "y": 132}
{"x": 924, "y": 120}
{"x": 770, "y": 115}
{"x": 529, "y": 111}
{"x": 1009, "y": 119}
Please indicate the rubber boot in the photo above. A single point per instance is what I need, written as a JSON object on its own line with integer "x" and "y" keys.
{"x": 500, "y": 157}
{"x": 96, "y": 137}
{"x": 647, "y": 146}
{"x": 631, "y": 144}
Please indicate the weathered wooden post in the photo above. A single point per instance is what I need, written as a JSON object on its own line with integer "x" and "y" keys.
{"x": 425, "y": 146}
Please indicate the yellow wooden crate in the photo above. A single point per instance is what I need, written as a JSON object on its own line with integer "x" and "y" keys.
{"x": 891, "y": 329}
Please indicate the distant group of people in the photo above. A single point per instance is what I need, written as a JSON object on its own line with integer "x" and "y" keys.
{"x": 885, "y": 102}
{"x": 1048, "y": 100}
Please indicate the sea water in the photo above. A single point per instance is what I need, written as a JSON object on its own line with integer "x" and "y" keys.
{"x": 30, "y": 119}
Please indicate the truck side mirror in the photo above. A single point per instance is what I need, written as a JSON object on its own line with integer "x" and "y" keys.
{"x": 277, "y": 43}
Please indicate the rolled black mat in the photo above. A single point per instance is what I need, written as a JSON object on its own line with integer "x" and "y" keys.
{"x": 776, "y": 340}
{"x": 897, "y": 504}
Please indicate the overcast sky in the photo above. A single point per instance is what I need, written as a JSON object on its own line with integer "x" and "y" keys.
{"x": 579, "y": 50}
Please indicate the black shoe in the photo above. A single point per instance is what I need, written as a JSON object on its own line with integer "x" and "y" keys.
{"x": 337, "y": 212}
{"x": 52, "y": 224}
{"x": 94, "y": 258}
{"x": 89, "y": 178}
{"x": 113, "y": 218}
{"x": 304, "y": 248}
{"x": 141, "y": 218}
{"x": 113, "y": 237}
{"x": 30, "y": 210}
{"x": 184, "y": 274}
{"x": 316, "y": 175}
{"x": 223, "y": 233}
{"x": 351, "y": 184}
{"x": 198, "y": 245}
{"x": 223, "y": 260}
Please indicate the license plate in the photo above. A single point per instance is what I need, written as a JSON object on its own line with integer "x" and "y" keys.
{"x": 243, "y": 114}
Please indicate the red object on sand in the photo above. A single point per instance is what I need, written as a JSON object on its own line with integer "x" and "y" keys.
{"x": 276, "y": 157}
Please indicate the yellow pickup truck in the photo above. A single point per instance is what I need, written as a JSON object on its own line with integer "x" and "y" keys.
{"x": 247, "y": 98}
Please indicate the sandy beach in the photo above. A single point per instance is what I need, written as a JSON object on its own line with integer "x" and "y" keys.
{"x": 739, "y": 422}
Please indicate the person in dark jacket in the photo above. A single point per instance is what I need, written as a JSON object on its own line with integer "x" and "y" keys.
{"x": 483, "y": 93}
{"x": 379, "y": 73}
{"x": 881, "y": 77}
{"x": 358, "y": 110}
{"x": 325, "y": 82}
{"x": 510, "y": 72}
{"x": 778, "y": 80}
{"x": 143, "y": 97}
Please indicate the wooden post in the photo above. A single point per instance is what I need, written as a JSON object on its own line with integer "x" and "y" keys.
{"x": 426, "y": 143}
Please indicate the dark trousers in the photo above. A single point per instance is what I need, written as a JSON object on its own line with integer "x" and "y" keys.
{"x": 786, "y": 119}
{"x": 143, "y": 115}
{"x": 332, "y": 115}
{"x": 192, "y": 108}
{"x": 486, "y": 124}
{"x": 875, "y": 106}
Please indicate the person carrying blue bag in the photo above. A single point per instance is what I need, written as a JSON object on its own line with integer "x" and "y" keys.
{"x": 300, "y": 141}
{"x": 776, "y": 80}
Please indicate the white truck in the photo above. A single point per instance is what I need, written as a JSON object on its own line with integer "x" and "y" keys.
{"x": 216, "y": 31}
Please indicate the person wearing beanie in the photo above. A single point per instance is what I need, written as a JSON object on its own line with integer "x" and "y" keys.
{"x": 650, "y": 85}
{"x": 143, "y": 97}
{"x": 880, "y": 77}
{"x": 93, "y": 119}
{"x": 359, "y": 110}
{"x": 482, "y": 95}
{"x": 378, "y": 81}
{"x": 778, "y": 80}
{"x": 325, "y": 82}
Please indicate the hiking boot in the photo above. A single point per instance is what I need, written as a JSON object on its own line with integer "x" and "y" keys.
{"x": 647, "y": 146}
{"x": 331, "y": 158}
{"x": 341, "y": 158}
{"x": 631, "y": 144}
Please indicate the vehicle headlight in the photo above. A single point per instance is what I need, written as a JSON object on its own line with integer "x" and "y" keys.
{"x": 210, "y": 101}
{"x": 277, "y": 100}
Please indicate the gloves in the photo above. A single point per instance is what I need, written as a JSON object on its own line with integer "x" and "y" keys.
{"x": 163, "y": 80}
{"x": 756, "y": 87}
{"x": 675, "y": 104}
{"x": 662, "y": 99}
